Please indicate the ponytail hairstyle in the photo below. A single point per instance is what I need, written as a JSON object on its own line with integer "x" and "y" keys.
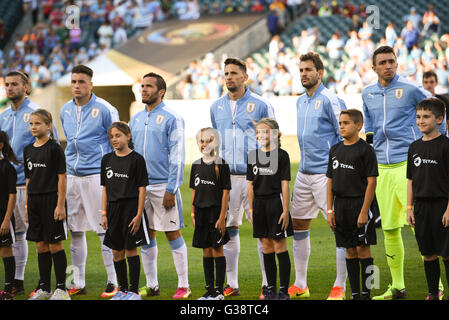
{"x": 124, "y": 128}
{"x": 7, "y": 151}
{"x": 274, "y": 128}
{"x": 46, "y": 118}
{"x": 216, "y": 144}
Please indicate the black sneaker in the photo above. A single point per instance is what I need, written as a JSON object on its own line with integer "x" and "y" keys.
{"x": 271, "y": 294}
{"x": 208, "y": 294}
{"x": 432, "y": 296}
{"x": 4, "y": 295}
{"x": 18, "y": 287}
{"x": 282, "y": 296}
{"x": 356, "y": 296}
{"x": 217, "y": 294}
{"x": 365, "y": 296}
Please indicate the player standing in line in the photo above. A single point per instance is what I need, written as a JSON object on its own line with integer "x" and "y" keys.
{"x": 124, "y": 179}
{"x": 158, "y": 132}
{"x": 45, "y": 211}
{"x": 351, "y": 186}
{"x": 389, "y": 106}
{"x": 210, "y": 180}
{"x": 8, "y": 176}
{"x": 234, "y": 115}
{"x": 268, "y": 175}
{"x": 15, "y": 122}
{"x": 318, "y": 112}
{"x": 85, "y": 120}
{"x": 428, "y": 191}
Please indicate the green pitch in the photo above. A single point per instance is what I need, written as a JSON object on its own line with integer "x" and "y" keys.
{"x": 321, "y": 274}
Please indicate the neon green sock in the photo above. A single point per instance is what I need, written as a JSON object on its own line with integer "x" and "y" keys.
{"x": 440, "y": 284}
{"x": 394, "y": 250}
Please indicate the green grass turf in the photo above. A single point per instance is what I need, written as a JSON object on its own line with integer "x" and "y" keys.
{"x": 321, "y": 272}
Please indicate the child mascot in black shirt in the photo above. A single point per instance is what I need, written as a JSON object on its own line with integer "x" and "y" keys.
{"x": 268, "y": 175}
{"x": 210, "y": 180}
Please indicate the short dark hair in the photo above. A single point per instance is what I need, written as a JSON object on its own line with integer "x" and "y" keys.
{"x": 238, "y": 62}
{"x": 382, "y": 49}
{"x": 83, "y": 69}
{"x": 354, "y": 114}
{"x": 429, "y": 74}
{"x": 160, "y": 82}
{"x": 435, "y": 105}
{"x": 315, "y": 58}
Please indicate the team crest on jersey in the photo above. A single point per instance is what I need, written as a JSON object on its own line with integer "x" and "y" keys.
{"x": 159, "y": 119}
{"x": 317, "y": 104}
{"x": 399, "y": 93}
{"x": 250, "y": 107}
{"x": 95, "y": 112}
{"x": 26, "y": 117}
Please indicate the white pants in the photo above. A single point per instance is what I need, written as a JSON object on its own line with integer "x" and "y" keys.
{"x": 309, "y": 196}
{"x": 84, "y": 196}
{"x": 238, "y": 201}
{"x": 19, "y": 210}
{"x": 159, "y": 218}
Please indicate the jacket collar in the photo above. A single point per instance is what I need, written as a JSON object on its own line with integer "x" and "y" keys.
{"x": 392, "y": 83}
{"x": 24, "y": 104}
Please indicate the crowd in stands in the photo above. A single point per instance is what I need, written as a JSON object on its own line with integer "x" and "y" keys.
{"x": 55, "y": 43}
{"x": 419, "y": 47}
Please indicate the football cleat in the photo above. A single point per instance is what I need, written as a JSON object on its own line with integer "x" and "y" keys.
{"x": 182, "y": 293}
{"x": 337, "y": 293}
{"x": 40, "y": 295}
{"x": 60, "y": 294}
{"x": 110, "y": 291}
{"x": 392, "y": 294}
{"x": 228, "y": 291}
{"x": 149, "y": 292}
{"x": 296, "y": 292}
{"x": 74, "y": 291}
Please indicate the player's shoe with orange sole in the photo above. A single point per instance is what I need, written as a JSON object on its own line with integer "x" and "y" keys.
{"x": 75, "y": 291}
{"x": 229, "y": 291}
{"x": 296, "y": 292}
{"x": 337, "y": 293}
{"x": 182, "y": 293}
{"x": 110, "y": 291}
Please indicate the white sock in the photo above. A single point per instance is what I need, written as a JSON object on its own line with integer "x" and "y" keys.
{"x": 108, "y": 260}
{"x": 301, "y": 253}
{"x": 340, "y": 281}
{"x": 78, "y": 254}
{"x": 179, "y": 253}
{"x": 20, "y": 251}
{"x": 231, "y": 253}
{"x": 262, "y": 264}
{"x": 148, "y": 255}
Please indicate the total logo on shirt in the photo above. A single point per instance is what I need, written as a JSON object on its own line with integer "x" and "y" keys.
{"x": 263, "y": 171}
{"x": 418, "y": 161}
{"x": 110, "y": 174}
{"x": 35, "y": 165}
{"x": 335, "y": 165}
{"x": 198, "y": 181}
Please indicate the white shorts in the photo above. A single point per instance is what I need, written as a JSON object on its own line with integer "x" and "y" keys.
{"x": 159, "y": 218}
{"x": 309, "y": 196}
{"x": 238, "y": 201}
{"x": 19, "y": 210}
{"x": 84, "y": 196}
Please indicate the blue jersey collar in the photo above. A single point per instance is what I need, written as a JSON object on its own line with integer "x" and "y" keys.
{"x": 24, "y": 104}
{"x": 159, "y": 106}
{"x": 392, "y": 83}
